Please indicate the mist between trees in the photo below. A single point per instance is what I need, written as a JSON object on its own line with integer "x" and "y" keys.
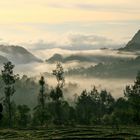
{"x": 91, "y": 107}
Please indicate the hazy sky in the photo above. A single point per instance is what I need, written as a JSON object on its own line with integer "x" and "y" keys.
{"x": 59, "y": 21}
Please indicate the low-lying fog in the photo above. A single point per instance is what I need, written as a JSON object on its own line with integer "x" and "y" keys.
{"x": 47, "y": 53}
{"x": 114, "y": 86}
{"x": 78, "y": 84}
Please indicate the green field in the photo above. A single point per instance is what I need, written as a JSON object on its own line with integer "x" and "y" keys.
{"x": 79, "y": 132}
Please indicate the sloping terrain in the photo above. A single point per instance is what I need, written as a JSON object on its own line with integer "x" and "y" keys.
{"x": 80, "y": 132}
{"x": 17, "y": 54}
{"x": 119, "y": 69}
{"x": 133, "y": 44}
{"x": 101, "y": 56}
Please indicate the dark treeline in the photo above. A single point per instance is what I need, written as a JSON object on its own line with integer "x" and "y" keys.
{"x": 115, "y": 69}
{"x": 89, "y": 108}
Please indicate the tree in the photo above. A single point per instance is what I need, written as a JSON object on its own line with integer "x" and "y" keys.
{"x": 42, "y": 97}
{"x": 1, "y": 109}
{"x": 92, "y": 106}
{"x": 123, "y": 111}
{"x": 9, "y": 80}
{"x": 84, "y": 108}
{"x": 59, "y": 73}
{"x": 23, "y": 116}
{"x": 40, "y": 113}
{"x": 56, "y": 96}
{"x": 132, "y": 93}
{"x": 106, "y": 102}
{"x": 96, "y": 106}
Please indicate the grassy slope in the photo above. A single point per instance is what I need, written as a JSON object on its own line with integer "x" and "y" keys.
{"x": 81, "y": 132}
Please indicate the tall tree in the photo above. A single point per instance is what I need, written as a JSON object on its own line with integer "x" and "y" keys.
{"x": 42, "y": 97}
{"x": 1, "y": 109}
{"x": 132, "y": 93}
{"x": 57, "y": 94}
{"x": 84, "y": 108}
{"x": 9, "y": 80}
{"x": 59, "y": 73}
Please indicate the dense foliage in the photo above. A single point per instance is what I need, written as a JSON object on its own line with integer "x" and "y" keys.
{"x": 89, "y": 108}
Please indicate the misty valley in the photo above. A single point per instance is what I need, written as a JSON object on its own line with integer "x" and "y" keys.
{"x": 61, "y": 93}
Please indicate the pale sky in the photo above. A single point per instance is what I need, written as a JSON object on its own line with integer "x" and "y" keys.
{"x": 29, "y": 21}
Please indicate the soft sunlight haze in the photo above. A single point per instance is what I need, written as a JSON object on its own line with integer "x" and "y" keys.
{"x": 29, "y": 21}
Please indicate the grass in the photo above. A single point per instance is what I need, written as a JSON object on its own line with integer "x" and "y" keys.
{"x": 78, "y": 132}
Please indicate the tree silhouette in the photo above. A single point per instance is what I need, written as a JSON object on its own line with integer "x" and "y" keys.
{"x": 9, "y": 80}
{"x": 1, "y": 109}
{"x": 56, "y": 94}
{"x": 132, "y": 93}
{"x": 42, "y": 97}
{"x": 59, "y": 73}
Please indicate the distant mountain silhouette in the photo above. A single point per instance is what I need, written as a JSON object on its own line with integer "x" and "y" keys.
{"x": 84, "y": 58}
{"x": 133, "y": 44}
{"x": 60, "y": 58}
{"x": 55, "y": 58}
{"x": 17, "y": 54}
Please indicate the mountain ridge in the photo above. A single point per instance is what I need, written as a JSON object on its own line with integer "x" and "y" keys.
{"x": 18, "y": 54}
{"x": 85, "y": 57}
{"x": 133, "y": 44}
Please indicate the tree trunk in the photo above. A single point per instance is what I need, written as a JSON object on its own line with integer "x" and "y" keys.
{"x": 9, "y": 112}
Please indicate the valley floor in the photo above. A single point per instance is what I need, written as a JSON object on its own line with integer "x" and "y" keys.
{"x": 79, "y": 132}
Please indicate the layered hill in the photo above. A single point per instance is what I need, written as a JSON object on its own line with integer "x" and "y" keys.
{"x": 118, "y": 69}
{"x": 17, "y": 54}
{"x": 94, "y": 57}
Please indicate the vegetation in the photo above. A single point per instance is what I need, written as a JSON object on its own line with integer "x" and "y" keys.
{"x": 114, "y": 69}
{"x": 90, "y": 108}
{"x": 59, "y": 73}
{"x": 41, "y": 99}
{"x": 9, "y": 80}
